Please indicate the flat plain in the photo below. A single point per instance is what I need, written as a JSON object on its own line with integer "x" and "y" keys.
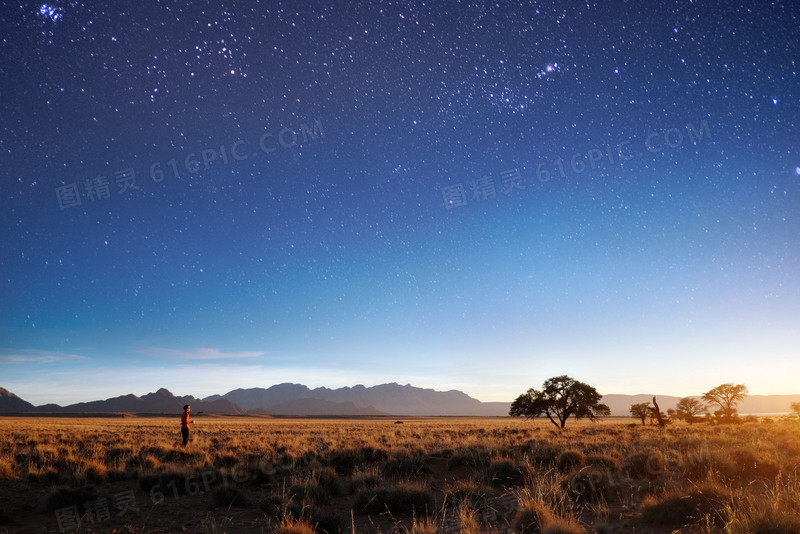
{"x": 421, "y": 475}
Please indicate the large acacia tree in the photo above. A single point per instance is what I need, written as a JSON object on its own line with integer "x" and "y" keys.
{"x": 726, "y": 396}
{"x": 559, "y": 399}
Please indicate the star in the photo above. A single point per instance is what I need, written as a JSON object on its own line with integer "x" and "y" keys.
{"x": 50, "y": 12}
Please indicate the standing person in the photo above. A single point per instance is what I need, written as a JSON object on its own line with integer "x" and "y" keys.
{"x": 185, "y": 424}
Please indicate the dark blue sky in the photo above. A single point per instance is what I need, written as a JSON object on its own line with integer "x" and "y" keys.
{"x": 456, "y": 195}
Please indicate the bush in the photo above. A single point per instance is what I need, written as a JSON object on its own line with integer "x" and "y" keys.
{"x": 476, "y": 457}
{"x": 346, "y": 460}
{"x": 400, "y": 500}
{"x": 310, "y": 491}
{"x": 404, "y": 467}
{"x": 643, "y": 465}
{"x": 601, "y": 462}
{"x": 545, "y": 455}
{"x": 569, "y": 460}
{"x": 466, "y": 491}
{"x": 587, "y": 485}
{"x": 683, "y": 509}
{"x": 343, "y": 461}
{"x": 532, "y": 517}
{"x": 505, "y": 474}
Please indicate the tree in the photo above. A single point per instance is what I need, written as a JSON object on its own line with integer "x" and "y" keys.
{"x": 726, "y": 396}
{"x": 559, "y": 399}
{"x": 640, "y": 410}
{"x": 795, "y": 407}
{"x": 689, "y": 408}
{"x": 658, "y": 415}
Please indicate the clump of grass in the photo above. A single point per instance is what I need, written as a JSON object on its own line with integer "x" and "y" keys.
{"x": 273, "y": 507}
{"x": 62, "y": 497}
{"x": 225, "y": 460}
{"x": 469, "y": 492}
{"x": 404, "y": 467}
{"x": 563, "y": 526}
{"x": 425, "y": 525}
{"x": 405, "y": 499}
{"x": 533, "y": 515}
{"x": 467, "y": 524}
{"x": 649, "y": 465}
{"x": 569, "y": 460}
{"x": 7, "y": 469}
{"x": 344, "y": 461}
{"x": 775, "y": 512}
{"x": 744, "y": 467}
{"x": 48, "y": 476}
{"x": 505, "y": 474}
{"x": 94, "y": 471}
{"x": 116, "y": 454}
{"x": 587, "y": 485}
{"x": 229, "y": 496}
{"x": 291, "y": 525}
{"x": 365, "y": 479}
{"x": 603, "y": 462}
{"x": 326, "y": 478}
{"x": 545, "y": 455}
{"x": 708, "y": 502}
{"x": 312, "y": 491}
{"x": 470, "y": 457}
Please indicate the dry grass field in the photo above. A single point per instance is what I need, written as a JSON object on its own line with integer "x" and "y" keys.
{"x": 418, "y": 475}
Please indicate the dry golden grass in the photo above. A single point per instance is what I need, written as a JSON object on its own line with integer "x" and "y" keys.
{"x": 424, "y": 475}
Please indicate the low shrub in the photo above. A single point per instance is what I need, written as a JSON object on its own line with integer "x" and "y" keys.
{"x": 505, "y": 474}
{"x": 682, "y": 509}
{"x": 399, "y": 500}
{"x": 569, "y": 460}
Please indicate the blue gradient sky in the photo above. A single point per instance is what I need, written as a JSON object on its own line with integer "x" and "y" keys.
{"x": 664, "y": 258}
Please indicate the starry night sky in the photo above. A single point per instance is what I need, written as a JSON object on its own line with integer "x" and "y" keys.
{"x": 450, "y": 194}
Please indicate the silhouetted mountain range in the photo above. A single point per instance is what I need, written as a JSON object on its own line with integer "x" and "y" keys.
{"x": 387, "y": 398}
{"x": 384, "y": 399}
{"x": 162, "y": 401}
{"x": 11, "y": 403}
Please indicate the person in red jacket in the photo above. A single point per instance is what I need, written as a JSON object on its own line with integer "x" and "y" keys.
{"x": 185, "y": 424}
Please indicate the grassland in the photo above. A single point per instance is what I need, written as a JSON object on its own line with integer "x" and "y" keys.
{"x": 421, "y": 476}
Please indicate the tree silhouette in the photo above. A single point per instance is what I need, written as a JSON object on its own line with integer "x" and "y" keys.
{"x": 726, "y": 396}
{"x": 560, "y": 398}
{"x": 795, "y": 407}
{"x": 640, "y": 410}
{"x": 658, "y": 415}
{"x": 689, "y": 408}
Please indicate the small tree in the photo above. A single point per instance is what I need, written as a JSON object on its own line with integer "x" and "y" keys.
{"x": 560, "y": 398}
{"x": 726, "y": 396}
{"x": 640, "y": 410}
{"x": 689, "y": 408}
{"x": 795, "y": 407}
